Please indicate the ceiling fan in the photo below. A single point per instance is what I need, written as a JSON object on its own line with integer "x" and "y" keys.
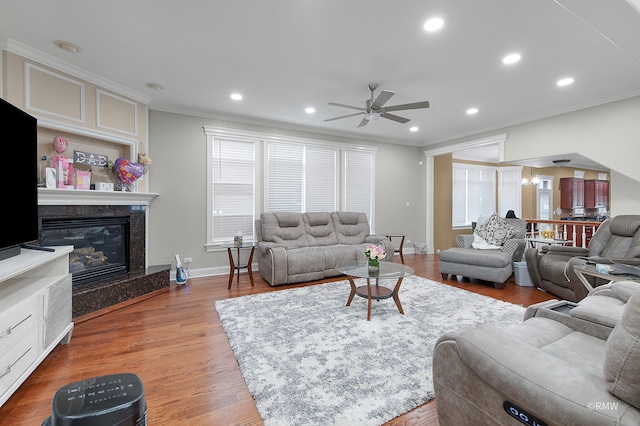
{"x": 374, "y": 107}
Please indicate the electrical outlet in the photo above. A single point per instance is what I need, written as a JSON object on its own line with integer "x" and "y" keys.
{"x": 188, "y": 260}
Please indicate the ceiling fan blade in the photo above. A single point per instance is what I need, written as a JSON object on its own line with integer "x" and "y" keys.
{"x": 343, "y": 116}
{"x": 394, "y": 118}
{"x": 364, "y": 122}
{"x": 414, "y": 105}
{"x": 382, "y": 98}
{"x": 345, "y": 106}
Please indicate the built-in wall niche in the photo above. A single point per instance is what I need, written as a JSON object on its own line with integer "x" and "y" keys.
{"x": 86, "y": 141}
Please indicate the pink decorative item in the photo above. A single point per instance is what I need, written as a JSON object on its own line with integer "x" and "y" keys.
{"x": 60, "y": 145}
{"x": 61, "y": 165}
{"x": 127, "y": 171}
{"x": 83, "y": 179}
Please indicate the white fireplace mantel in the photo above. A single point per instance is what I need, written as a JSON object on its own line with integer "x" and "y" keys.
{"x": 64, "y": 197}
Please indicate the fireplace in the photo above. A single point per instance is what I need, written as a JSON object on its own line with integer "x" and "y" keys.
{"x": 76, "y": 219}
{"x": 113, "y": 240}
{"x": 100, "y": 244}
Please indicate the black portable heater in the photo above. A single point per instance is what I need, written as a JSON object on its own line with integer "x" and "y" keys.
{"x": 116, "y": 399}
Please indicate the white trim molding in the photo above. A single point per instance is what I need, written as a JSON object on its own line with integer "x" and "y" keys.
{"x": 80, "y": 197}
{"x": 499, "y": 139}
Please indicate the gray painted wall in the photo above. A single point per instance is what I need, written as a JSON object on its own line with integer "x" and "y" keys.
{"x": 178, "y": 173}
{"x": 608, "y": 134}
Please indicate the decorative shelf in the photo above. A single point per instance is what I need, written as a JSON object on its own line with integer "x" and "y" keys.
{"x": 64, "y": 197}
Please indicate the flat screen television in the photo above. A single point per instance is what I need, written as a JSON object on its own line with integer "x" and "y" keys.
{"x": 19, "y": 211}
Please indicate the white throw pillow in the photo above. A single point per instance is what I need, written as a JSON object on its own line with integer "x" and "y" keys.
{"x": 480, "y": 244}
{"x": 496, "y": 230}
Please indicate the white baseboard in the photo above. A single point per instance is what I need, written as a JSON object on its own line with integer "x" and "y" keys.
{"x": 208, "y": 272}
{"x": 224, "y": 270}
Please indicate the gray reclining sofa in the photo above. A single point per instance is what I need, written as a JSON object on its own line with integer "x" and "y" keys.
{"x": 566, "y": 364}
{"x": 300, "y": 247}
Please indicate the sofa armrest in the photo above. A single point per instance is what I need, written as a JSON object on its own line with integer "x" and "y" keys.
{"x": 568, "y": 251}
{"x": 464, "y": 241}
{"x": 272, "y": 262}
{"x": 486, "y": 365}
{"x": 515, "y": 247}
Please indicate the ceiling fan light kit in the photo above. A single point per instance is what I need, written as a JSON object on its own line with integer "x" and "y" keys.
{"x": 372, "y": 115}
{"x": 374, "y": 107}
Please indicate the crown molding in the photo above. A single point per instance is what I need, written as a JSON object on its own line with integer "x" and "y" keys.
{"x": 32, "y": 54}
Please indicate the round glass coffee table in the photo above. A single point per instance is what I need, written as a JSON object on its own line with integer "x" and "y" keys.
{"x": 386, "y": 271}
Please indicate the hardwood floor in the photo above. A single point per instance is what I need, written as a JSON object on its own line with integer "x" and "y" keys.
{"x": 174, "y": 342}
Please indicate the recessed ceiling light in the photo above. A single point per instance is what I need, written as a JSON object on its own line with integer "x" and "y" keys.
{"x": 511, "y": 59}
{"x": 310, "y": 110}
{"x": 68, "y": 46}
{"x": 433, "y": 24}
{"x": 414, "y": 129}
{"x": 472, "y": 111}
{"x": 154, "y": 86}
{"x": 565, "y": 81}
{"x": 236, "y": 96}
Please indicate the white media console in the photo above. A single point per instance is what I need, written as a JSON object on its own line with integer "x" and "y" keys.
{"x": 35, "y": 312}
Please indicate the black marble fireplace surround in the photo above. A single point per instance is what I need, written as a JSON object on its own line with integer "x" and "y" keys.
{"x": 92, "y": 295}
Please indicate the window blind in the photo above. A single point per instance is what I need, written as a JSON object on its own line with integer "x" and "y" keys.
{"x": 285, "y": 177}
{"x": 359, "y": 181}
{"x": 233, "y": 169}
{"x": 474, "y": 193}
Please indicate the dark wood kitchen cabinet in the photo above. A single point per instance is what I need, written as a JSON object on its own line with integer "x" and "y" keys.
{"x": 596, "y": 193}
{"x": 571, "y": 193}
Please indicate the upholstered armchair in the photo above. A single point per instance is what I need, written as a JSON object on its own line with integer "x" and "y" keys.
{"x": 551, "y": 267}
{"x": 490, "y": 257}
{"x": 514, "y": 246}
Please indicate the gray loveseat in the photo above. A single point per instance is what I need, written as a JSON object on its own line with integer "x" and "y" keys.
{"x": 299, "y": 247}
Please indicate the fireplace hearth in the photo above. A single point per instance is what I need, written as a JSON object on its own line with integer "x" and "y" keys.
{"x": 108, "y": 264}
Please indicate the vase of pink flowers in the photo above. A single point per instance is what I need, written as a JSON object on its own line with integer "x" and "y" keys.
{"x": 375, "y": 253}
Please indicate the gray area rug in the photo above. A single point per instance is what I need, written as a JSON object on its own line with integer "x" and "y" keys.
{"x": 308, "y": 359}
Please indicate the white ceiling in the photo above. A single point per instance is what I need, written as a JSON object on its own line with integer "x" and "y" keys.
{"x": 286, "y": 55}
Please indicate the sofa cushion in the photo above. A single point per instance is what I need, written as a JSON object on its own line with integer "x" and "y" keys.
{"x": 622, "y": 355}
{"x": 284, "y": 228}
{"x": 320, "y": 230}
{"x": 351, "y": 227}
{"x": 620, "y": 237}
{"x": 485, "y": 258}
{"x": 495, "y": 231}
{"x": 599, "y": 309}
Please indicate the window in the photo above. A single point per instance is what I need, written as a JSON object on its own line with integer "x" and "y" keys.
{"x": 301, "y": 178}
{"x": 254, "y": 172}
{"x": 474, "y": 193}
{"x": 358, "y": 182}
{"x": 544, "y": 194}
{"x": 510, "y": 190}
{"x": 231, "y": 198}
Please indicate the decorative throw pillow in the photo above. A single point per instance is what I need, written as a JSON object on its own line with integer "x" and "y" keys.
{"x": 622, "y": 355}
{"x": 496, "y": 230}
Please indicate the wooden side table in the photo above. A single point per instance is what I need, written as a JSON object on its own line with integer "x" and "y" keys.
{"x": 233, "y": 267}
{"x": 399, "y": 249}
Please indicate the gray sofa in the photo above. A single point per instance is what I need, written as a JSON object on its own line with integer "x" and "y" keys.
{"x": 551, "y": 267}
{"x": 576, "y": 366}
{"x": 300, "y": 247}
